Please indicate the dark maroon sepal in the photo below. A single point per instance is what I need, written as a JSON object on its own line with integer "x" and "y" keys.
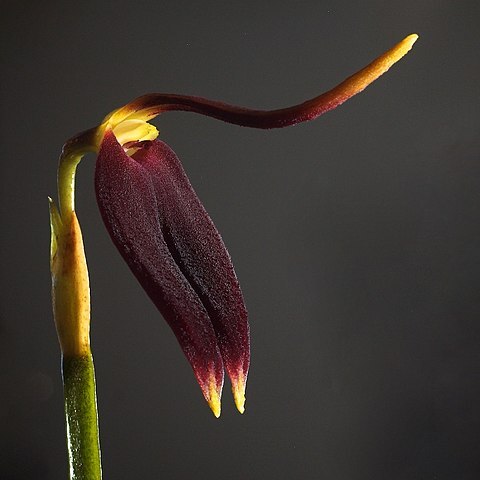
{"x": 171, "y": 245}
{"x": 200, "y": 253}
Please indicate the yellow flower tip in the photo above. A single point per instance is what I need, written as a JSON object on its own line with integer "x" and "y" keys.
{"x": 214, "y": 398}
{"x": 238, "y": 390}
{"x": 215, "y": 407}
{"x": 239, "y": 401}
{"x": 402, "y": 48}
{"x": 360, "y": 80}
{"x": 411, "y": 39}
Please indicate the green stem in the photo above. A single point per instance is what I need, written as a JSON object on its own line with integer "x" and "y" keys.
{"x": 81, "y": 418}
{"x": 66, "y": 182}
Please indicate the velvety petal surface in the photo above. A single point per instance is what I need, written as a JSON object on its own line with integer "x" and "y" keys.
{"x": 200, "y": 253}
{"x": 129, "y": 206}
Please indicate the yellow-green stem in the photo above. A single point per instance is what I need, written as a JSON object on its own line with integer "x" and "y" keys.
{"x": 81, "y": 418}
{"x": 66, "y": 182}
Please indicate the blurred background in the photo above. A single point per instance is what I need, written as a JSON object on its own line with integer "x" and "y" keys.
{"x": 355, "y": 238}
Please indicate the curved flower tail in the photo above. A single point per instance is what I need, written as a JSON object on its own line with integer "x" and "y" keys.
{"x": 146, "y": 107}
{"x": 149, "y": 106}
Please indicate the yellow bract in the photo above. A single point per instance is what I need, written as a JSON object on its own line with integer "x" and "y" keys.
{"x": 70, "y": 284}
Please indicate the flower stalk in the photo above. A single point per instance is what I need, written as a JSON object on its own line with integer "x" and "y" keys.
{"x": 81, "y": 417}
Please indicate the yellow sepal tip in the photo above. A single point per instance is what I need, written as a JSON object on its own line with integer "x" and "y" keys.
{"x": 360, "y": 80}
{"x": 214, "y": 400}
{"x": 238, "y": 390}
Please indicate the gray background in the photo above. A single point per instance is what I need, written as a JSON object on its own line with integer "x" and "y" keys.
{"x": 355, "y": 238}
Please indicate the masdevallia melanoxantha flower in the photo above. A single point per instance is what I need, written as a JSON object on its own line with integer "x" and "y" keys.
{"x": 163, "y": 232}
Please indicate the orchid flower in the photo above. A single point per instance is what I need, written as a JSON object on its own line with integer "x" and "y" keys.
{"x": 166, "y": 237}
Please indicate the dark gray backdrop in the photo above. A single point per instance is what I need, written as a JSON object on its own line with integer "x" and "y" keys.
{"x": 355, "y": 238}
